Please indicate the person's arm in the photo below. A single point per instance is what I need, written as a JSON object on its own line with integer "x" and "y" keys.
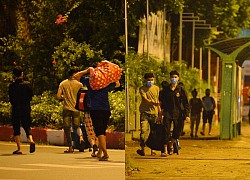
{"x": 59, "y": 94}
{"x": 117, "y": 84}
{"x": 79, "y": 74}
{"x": 214, "y": 104}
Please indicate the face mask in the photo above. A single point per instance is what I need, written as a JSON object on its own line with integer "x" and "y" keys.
{"x": 150, "y": 83}
{"x": 174, "y": 80}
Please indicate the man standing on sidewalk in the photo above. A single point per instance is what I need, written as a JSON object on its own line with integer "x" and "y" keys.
{"x": 208, "y": 112}
{"x": 20, "y": 95}
{"x": 149, "y": 109}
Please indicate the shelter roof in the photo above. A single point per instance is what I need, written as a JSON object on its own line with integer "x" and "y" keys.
{"x": 230, "y": 45}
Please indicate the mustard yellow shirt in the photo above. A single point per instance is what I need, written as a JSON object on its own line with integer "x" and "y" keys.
{"x": 151, "y": 93}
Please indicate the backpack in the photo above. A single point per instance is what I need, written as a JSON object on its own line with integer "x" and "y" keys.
{"x": 82, "y": 100}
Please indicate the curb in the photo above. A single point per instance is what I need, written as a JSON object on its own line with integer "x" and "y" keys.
{"x": 115, "y": 140}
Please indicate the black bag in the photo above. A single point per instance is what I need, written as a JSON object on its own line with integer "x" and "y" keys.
{"x": 82, "y": 100}
{"x": 156, "y": 137}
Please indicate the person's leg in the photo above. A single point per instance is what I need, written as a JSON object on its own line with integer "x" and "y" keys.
{"x": 204, "y": 118}
{"x": 210, "y": 119}
{"x": 175, "y": 135}
{"x": 93, "y": 140}
{"x": 67, "y": 129}
{"x": 198, "y": 118}
{"x": 167, "y": 126}
{"x": 26, "y": 124}
{"x": 77, "y": 129}
{"x": 192, "y": 119}
{"x": 100, "y": 122}
{"x": 16, "y": 128}
{"x": 144, "y": 133}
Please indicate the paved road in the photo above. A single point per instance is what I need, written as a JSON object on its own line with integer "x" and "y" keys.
{"x": 49, "y": 162}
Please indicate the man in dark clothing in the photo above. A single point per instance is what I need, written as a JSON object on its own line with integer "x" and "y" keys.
{"x": 20, "y": 95}
{"x": 173, "y": 103}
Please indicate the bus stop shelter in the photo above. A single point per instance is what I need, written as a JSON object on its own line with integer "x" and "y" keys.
{"x": 233, "y": 52}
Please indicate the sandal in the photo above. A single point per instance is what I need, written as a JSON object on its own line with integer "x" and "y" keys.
{"x": 140, "y": 152}
{"x": 68, "y": 151}
{"x": 104, "y": 158}
{"x": 153, "y": 153}
{"x": 17, "y": 152}
{"x": 32, "y": 147}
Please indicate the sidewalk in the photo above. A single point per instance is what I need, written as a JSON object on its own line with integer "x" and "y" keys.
{"x": 205, "y": 157}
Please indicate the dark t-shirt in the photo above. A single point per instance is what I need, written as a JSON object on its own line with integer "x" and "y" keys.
{"x": 174, "y": 102}
{"x": 20, "y": 95}
{"x": 98, "y": 98}
{"x": 196, "y": 106}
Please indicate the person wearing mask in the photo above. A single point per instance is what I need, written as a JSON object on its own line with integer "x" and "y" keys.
{"x": 20, "y": 95}
{"x": 173, "y": 104}
{"x": 149, "y": 110}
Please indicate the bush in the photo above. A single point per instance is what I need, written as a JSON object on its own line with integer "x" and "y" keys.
{"x": 46, "y": 111}
{"x": 5, "y": 113}
{"x": 117, "y": 106}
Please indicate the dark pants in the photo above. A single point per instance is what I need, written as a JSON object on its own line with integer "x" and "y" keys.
{"x": 207, "y": 116}
{"x": 176, "y": 128}
{"x": 21, "y": 117}
{"x": 100, "y": 119}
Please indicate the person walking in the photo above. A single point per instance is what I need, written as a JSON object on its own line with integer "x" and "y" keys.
{"x": 196, "y": 106}
{"x": 208, "y": 111}
{"x": 67, "y": 91}
{"x": 173, "y": 104}
{"x": 99, "y": 111}
{"x": 149, "y": 110}
{"x": 20, "y": 95}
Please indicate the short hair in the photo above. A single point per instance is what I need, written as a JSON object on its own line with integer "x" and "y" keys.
{"x": 194, "y": 92}
{"x": 148, "y": 75}
{"x": 164, "y": 84}
{"x": 73, "y": 69}
{"x": 181, "y": 83}
{"x": 17, "y": 71}
{"x": 174, "y": 72}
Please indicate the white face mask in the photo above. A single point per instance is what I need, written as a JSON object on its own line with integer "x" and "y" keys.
{"x": 150, "y": 83}
{"x": 174, "y": 80}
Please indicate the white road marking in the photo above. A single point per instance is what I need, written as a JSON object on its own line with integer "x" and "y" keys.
{"x": 18, "y": 169}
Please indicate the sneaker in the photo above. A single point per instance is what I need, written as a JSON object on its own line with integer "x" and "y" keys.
{"x": 202, "y": 133}
{"x": 140, "y": 152}
{"x": 209, "y": 134}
